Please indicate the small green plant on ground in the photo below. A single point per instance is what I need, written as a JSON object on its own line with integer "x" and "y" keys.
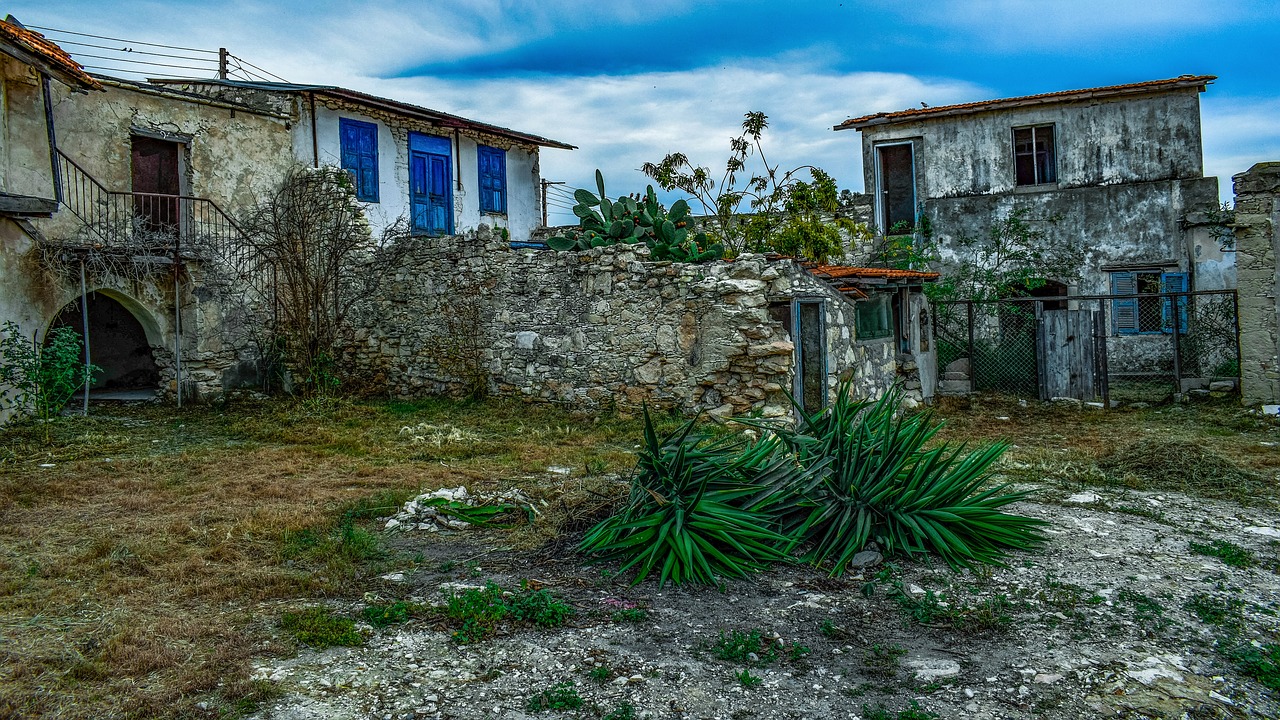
{"x": 1260, "y": 662}
{"x": 939, "y": 609}
{"x": 1226, "y": 613}
{"x": 601, "y": 674}
{"x": 381, "y": 616}
{"x": 477, "y": 612}
{"x": 624, "y": 711}
{"x": 797, "y": 652}
{"x": 561, "y": 696}
{"x": 883, "y": 661}
{"x": 1148, "y": 613}
{"x": 748, "y": 680}
{"x": 1229, "y": 553}
{"x": 630, "y": 615}
{"x": 320, "y": 628}
{"x": 739, "y": 647}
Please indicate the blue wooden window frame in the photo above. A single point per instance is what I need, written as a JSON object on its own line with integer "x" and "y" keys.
{"x": 359, "y": 143}
{"x": 1125, "y": 310}
{"x": 797, "y": 381}
{"x": 493, "y": 179}
{"x": 430, "y": 167}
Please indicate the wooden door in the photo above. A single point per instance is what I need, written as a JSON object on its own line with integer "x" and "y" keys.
{"x": 156, "y": 183}
{"x": 897, "y": 188}
{"x": 1065, "y": 354}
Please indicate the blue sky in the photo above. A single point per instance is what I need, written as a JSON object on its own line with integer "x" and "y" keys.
{"x": 630, "y": 81}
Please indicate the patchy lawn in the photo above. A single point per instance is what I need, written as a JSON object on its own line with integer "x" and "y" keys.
{"x": 156, "y": 562}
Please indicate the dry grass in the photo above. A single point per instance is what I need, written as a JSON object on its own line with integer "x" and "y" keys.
{"x": 141, "y": 573}
{"x": 1213, "y": 449}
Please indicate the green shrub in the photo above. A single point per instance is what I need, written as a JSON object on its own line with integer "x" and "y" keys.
{"x": 697, "y": 510}
{"x": 872, "y": 478}
{"x": 738, "y": 646}
{"x": 381, "y": 616}
{"x": 1229, "y": 553}
{"x": 1260, "y": 662}
{"x": 624, "y": 711}
{"x": 477, "y": 612}
{"x": 42, "y": 378}
{"x": 320, "y": 628}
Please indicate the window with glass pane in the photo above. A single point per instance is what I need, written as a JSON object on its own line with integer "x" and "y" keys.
{"x": 1033, "y": 155}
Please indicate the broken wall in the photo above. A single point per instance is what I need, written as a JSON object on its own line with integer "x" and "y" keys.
{"x": 602, "y": 327}
{"x": 1257, "y": 233}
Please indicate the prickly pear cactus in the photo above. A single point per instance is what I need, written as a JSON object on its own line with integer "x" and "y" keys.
{"x": 630, "y": 221}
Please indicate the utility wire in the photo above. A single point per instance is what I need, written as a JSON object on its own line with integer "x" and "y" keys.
{"x": 131, "y": 42}
{"x": 134, "y": 52}
{"x": 148, "y": 63}
{"x": 255, "y": 67}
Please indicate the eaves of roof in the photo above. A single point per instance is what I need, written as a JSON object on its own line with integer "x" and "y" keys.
{"x": 43, "y": 54}
{"x": 929, "y": 113}
{"x": 436, "y": 117}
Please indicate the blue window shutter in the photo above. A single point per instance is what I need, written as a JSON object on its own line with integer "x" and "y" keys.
{"x": 359, "y": 142}
{"x": 1173, "y": 283}
{"x": 493, "y": 179}
{"x": 1125, "y": 310}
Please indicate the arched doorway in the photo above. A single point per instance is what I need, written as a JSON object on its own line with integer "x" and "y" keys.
{"x": 117, "y": 343}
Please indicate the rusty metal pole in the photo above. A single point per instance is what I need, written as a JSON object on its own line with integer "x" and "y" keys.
{"x": 1177, "y": 346}
{"x": 222, "y": 63}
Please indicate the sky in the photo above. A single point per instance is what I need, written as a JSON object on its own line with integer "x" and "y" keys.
{"x": 629, "y": 81}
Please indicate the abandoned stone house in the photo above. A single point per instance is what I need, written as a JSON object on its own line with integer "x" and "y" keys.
{"x": 1117, "y": 170}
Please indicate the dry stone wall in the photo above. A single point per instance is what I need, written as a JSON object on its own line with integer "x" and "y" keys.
{"x": 599, "y": 328}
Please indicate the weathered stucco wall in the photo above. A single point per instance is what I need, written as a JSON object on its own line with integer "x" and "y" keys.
{"x": 1257, "y": 233}
{"x": 25, "y": 135}
{"x": 233, "y": 157}
{"x": 1107, "y": 142}
{"x": 604, "y": 326}
{"x": 1131, "y": 224}
{"x": 524, "y": 210}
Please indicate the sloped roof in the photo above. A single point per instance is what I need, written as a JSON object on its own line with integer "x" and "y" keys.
{"x": 34, "y": 49}
{"x": 437, "y": 117}
{"x": 841, "y": 272}
{"x": 924, "y": 113}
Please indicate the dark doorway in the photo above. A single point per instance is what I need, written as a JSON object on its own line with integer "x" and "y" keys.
{"x": 811, "y": 348}
{"x": 897, "y": 188}
{"x": 156, "y": 183}
{"x": 117, "y": 344}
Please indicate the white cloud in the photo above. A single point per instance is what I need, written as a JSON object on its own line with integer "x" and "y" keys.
{"x": 621, "y": 122}
{"x": 1238, "y": 134}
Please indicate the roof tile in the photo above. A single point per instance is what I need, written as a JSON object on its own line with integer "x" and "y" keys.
{"x": 1062, "y": 95}
{"x": 48, "y": 51}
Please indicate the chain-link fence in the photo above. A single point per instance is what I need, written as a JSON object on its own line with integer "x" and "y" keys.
{"x": 1145, "y": 347}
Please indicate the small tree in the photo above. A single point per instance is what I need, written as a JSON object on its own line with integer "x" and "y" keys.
{"x": 1017, "y": 256}
{"x": 312, "y": 231}
{"x": 41, "y": 379}
{"x": 788, "y": 215}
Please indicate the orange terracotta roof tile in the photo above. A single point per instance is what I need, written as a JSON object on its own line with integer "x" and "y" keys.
{"x": 923, "y": 113}
{"x": 58, "y": 61}
{"x": 839, "y": 272}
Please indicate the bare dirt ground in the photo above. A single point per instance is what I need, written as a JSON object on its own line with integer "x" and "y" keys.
{"x": 1102, "y": 623}
{"x": 148, "y": 559}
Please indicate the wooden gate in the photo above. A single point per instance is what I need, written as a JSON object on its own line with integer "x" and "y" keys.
{"x": 1065, "y": 355}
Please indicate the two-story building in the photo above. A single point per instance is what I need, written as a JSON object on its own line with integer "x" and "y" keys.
{"x": 1119, "y": 169}
{"x": 439, "y": 173}
{"x": 121, "y": 201}
{"x": 1116, "y": 171}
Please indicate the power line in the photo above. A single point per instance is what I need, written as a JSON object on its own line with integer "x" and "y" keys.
{"x": 132, "y": 51}
{"x": 148, "y": 63}
{"x": 132, "y": 42}
{"x": 255, "y": 67}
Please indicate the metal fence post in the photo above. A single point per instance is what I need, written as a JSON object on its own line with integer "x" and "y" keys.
{"x": 973, "y": 364}
{"x": 1177, "y": 346}
{"x": 1235, "y": 312}
{"x": 1100, "y": 362}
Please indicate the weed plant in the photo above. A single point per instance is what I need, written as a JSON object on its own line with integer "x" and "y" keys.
{"x": 381, "y": 616}
{"x": 739, "y": 646}
{"x": 477, "y": 612}
{"x": 747, "y": 680}
{"x": 1229, "y": 553}
{"x": 883, "y": 661}
{"x": 624, "y": 711}
{"x": 320, "y": 628}
{"x": 561, "y": 696}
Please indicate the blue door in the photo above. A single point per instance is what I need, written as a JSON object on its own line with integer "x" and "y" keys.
{"x": 430, "y": 187}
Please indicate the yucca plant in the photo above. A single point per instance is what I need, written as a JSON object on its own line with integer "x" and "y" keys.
{"x": 699, "y": 509}
{"x": 871, "y": 477}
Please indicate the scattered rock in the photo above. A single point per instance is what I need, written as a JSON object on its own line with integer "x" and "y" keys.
{"x": 865, "y": 559}
{"x": 931, "y": 669}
